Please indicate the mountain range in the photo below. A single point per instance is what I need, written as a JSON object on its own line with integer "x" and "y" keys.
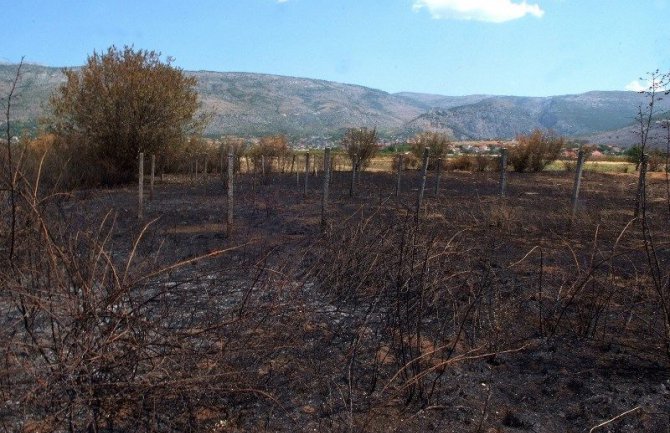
{"x": 258, "y": 104}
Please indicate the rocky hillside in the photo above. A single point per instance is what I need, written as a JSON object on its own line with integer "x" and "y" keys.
{"x": 506, "y": 116}
{"x": 256, "y": 104}
{"x": 244, "y": 103}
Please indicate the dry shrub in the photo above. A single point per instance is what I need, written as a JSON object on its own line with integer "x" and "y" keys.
{"x": 121, "y": 103}
{"x": 411, "y": 161}
{"x": 483, "y": 163}
{"x": 406, "y": 293}
{"x": 437, "y": 143}
{"x": 535, "y": 151}
{"x": 235, "y": 145}
{"x": 505, "y": 217}
{"x": 360, "y": 144}
{"x": 461, "y": 163}
{"x": 67, "y": 164}
{"x": 474, "y": 163}
{"x": 656, "y": 161}
{"x": 95, "y": 340}
{"x": 270, "y": 148}
{"x": 569, "y": 165}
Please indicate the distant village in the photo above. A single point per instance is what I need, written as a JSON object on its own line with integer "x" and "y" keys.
{"x": 466, "y": 147}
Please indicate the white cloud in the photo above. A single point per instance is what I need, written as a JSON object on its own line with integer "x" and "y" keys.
{"x": 495, "y": 11}
{"x": 643, "y": 85}
{"x": 636, "y": 86}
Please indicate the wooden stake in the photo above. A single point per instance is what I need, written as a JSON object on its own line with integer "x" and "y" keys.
{"x": 229, "y": 219}
{"x": 221, "y": 162}
{"x": 578, "y": 181}
{"x": 153, "y": 175}
{"x": 503, "y": 172}
{"x": 140, "y": 187}
{"x": 397, "y": 183}
{"x": 354, "y": 165}
{"x": 326, "y": 184}
{"x": 422, "y": 187}
{"x": 438, "y": 176}
{"x": 304, "y": 193}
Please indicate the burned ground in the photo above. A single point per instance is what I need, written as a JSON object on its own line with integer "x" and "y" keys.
{"x": 488, "y": 315}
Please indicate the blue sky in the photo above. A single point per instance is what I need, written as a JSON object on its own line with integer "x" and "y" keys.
{"x": 450, "y": 47}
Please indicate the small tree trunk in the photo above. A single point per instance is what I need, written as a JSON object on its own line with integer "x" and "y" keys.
{"x": 641, "y": 186}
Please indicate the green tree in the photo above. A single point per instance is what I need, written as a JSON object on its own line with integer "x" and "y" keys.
{"x": 360, "y": 145}
{"x": 634, "y": 154}
{"x": 121, "y": 103}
